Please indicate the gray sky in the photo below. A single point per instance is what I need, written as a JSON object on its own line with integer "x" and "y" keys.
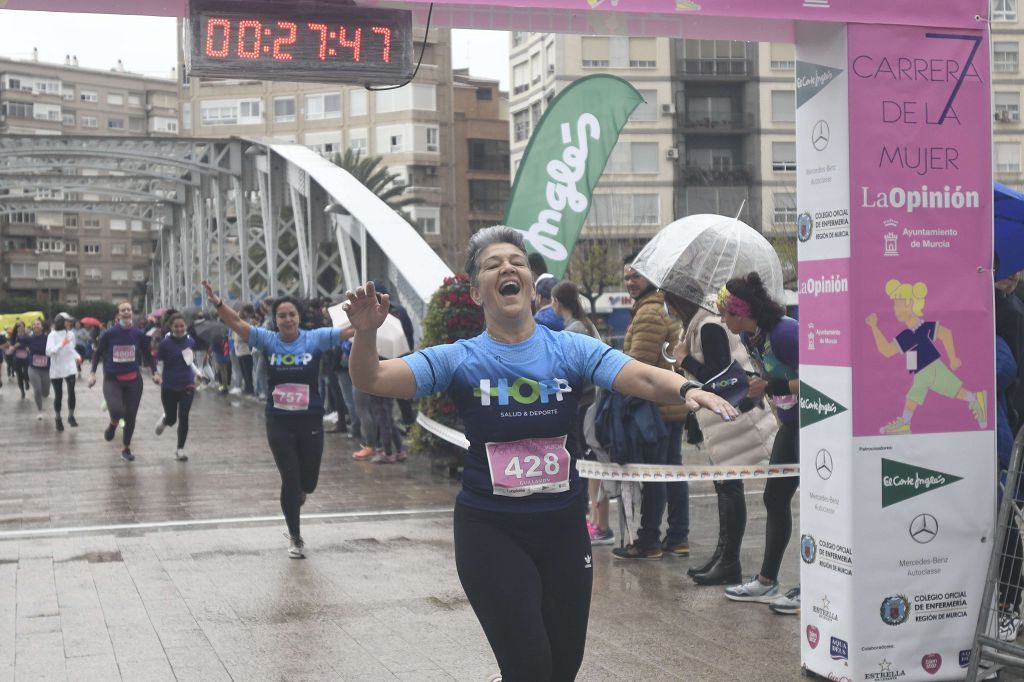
{"x": 147, "y": 45}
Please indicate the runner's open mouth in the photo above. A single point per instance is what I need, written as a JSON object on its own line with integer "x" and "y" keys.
{"x": 509, "y": 288}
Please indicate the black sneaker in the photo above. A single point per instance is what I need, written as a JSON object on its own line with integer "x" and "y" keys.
{"x": 59, "y": 424}
{"x": 633, "y": 551}
{"x": 126, "y": 455}
{"x": 108, "y": 433}
{"x": 72, "y": 422}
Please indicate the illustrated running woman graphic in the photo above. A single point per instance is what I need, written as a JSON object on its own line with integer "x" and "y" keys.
{"x": 917, "y": 343}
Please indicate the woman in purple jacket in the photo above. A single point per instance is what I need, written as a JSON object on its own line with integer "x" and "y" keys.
{"x": 123, "y": 348}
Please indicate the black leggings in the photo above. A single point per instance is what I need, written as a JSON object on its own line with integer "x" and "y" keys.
{"x": 58, "y": 394}
{"x": 297, "y": 442}
{"x": 21, "y": 372}
{"x": 123, "y": 398}
{"x": 778, "y": 497}
{"x": 528, "y": 577}
{"x": 177, "y": 404}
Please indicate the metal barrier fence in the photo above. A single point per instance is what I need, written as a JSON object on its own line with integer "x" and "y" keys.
{"x": 995, "y": 650}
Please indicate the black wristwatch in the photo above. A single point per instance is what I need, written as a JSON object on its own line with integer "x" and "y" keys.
{"x": 219, "y": 303}
{"x": 686, "y": 388}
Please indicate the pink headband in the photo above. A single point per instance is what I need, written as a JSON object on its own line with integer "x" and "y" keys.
{"x": 734, "y": 304}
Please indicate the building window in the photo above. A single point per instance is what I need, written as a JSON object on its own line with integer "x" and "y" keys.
{"x": 648, "y": 109}
{"x": 88, "y": 96}
{"x": 357, "y": 102}
{"x": 135, "y": 101}
{"x": 91, "y": 223}
{"x": 119, "y": 276}
{"x": 416, "y": 97}
{"x": 71, "y": 274}
{"x": 488, "y": 155}
{"x": 21, "y": 218}
{"x": 785, "y": 208}
{"x": 71, "y": 247}
{"x": 23, "y": 270}
{"x": 69, "y": 118}
{"x": 521, "y": 125}
{"x": 46, "y": 112}
{"x": 432, "y": 135}
{"x": 1004, "y": 10}
{"x": 1007, "y": 157}
{"x": 284, "y": 109}
{"x": 784, "y": 156}
{"x": 231, "y": 112}
{"x": 715, "y": 58}
{"x": 643, "y": 53}
{"x": 16, "y": 109}
{"x": 595, "y": 52}
{"x": 70, "y": 220}
{"x": 137, "y": 250}
{"x": 68, "y": 94}
{"x": 138, "y": 275}
{"x": 519, "y": 37}
{"x": 782, "y": 56}
{"x": 783, "y": 106}
{"x": 323, "y": 106}
{"x": 395, "y": 143}
{"x": 118, "y": 225}
{"x": 1005, "y": 57}
{"x": 428, "y": 218}
{"x": 186, "y": 115}
{"x": 520, "y": 78}
{"x": 115, "y": 124}
{"x": 88, "y": 122}
{"x": 709, "y": 159}
{"x": 91, "y": 248}
{"x": 118, "y": 249}
{"x": 136, "y": 125}
{"x": 484, "y": 94}
{"x": 1007, "y": 106}
{"x": 115, "y": 100}
{"x": 624, "y": 210}
{"x": 488, "y": 196}
{"x": 93, "y": 274}
{"x": 358, "y": 141}
{"x": 633, "y": 157}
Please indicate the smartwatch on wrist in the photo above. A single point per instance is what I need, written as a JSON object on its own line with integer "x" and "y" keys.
{"x": 686, "y": 388}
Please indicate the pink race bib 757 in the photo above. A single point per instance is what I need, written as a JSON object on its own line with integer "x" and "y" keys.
{"x": 291, "y": 397}
{"x": 39, "y": 361}
{"x": 533, "y": 465}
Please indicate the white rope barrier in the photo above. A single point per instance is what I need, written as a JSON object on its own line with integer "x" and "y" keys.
{"x": 665, "y": 473}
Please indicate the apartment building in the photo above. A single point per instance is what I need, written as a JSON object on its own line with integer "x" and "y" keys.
{"x": 411, "y": 128}
{"x": 481, "y": 154}
{"x": 1007, "y": 82}
{"x": 635, "y": 196}
{"x": 65, "y": 257}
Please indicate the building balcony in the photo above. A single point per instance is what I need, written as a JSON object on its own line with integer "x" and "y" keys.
{"x": 21, "y": 230}
{"x": 696, "y": 174}
{"x": 734, "y": 69}
{"x": 727, "y": 122}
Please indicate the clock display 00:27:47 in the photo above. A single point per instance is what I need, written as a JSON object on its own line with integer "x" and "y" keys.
{"x": 251, "y": 39}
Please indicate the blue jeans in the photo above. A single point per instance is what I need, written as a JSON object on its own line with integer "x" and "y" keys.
{"x": 654, "y": 496}
{"x": 345, "y": 380}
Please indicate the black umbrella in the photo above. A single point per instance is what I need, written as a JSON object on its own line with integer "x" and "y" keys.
{"x": 210, "y": 331}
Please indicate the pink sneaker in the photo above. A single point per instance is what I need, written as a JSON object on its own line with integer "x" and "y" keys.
{"x": 383, "y": 458}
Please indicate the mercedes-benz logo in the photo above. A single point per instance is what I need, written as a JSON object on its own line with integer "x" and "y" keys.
{"x": 820, "y": 135}
{"x": 823, "y": 464}
{"x": 924, "y": 528}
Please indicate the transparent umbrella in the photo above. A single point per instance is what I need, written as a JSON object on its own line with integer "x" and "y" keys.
{"x": 695, "y": 256}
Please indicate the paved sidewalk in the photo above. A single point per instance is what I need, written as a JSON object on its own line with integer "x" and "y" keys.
{"x": 376, "y": 599}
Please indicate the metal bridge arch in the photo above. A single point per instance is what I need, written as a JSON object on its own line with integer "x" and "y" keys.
{"x": 255, "y": 219}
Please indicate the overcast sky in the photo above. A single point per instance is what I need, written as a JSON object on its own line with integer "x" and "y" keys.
{"x": 147, "y": 45}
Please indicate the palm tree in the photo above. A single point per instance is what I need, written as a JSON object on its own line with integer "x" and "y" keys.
{"x": 378, "y": 179}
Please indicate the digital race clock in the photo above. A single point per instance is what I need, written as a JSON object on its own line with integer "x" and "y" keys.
{"x": 320, "y": 42}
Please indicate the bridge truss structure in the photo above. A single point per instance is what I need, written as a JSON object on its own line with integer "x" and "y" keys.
{"x": 254, "y": 219}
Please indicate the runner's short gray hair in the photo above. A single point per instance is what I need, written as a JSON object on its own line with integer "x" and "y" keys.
{"x": 496, "y": 234}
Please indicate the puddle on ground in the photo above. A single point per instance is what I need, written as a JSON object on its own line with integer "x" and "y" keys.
{"x": 96, "y": 558}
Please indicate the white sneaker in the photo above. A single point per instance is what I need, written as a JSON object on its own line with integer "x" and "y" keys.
{"x": 295, "y": 547}
{"x": 753, "y": 591}
{"x": 331, "y": 417}
{"x": 160, "y": 425}
{"x": 235, "y": 391}
{"x": 180, "y": 455}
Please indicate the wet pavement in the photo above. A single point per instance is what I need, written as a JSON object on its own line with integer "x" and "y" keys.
{"x": 163, "y": 570}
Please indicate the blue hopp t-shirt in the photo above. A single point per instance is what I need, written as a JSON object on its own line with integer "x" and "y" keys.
{"x": 178, "y": 374}
{"x": 509, "y": 392}
{"x": 297, "y": 362}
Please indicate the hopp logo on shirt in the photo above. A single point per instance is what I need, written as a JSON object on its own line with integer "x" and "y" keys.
{"x": 524, "y": 391}
{"x": 290, "y": 359}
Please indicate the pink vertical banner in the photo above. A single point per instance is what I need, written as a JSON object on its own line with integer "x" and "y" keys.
{"x": 921, "y": 228}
